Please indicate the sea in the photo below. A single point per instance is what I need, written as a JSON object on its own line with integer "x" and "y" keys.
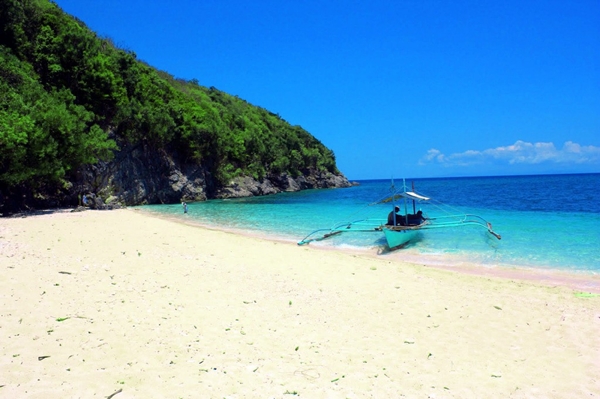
{"x": 545, "y": 221}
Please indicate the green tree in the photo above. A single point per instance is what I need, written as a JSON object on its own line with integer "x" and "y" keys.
{"x": 63, "y": 88}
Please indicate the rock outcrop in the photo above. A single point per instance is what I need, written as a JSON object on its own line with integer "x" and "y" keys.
{"x": 247, "y": 186}
{"x": 141, "y": 175}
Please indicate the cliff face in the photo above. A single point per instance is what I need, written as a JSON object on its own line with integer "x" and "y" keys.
{"x": 141, "y": 175}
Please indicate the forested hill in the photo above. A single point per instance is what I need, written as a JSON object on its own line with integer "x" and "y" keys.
{"x": 79, "y": 115}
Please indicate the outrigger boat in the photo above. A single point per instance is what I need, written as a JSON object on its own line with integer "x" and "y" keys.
{"x": 399, "y": 229}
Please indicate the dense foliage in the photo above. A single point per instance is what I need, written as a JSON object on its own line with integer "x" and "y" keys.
{"x": 69, "y": 98}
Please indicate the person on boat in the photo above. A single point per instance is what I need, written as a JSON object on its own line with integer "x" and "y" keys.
{"x": 395, "y": 219}
{"x": 416, "y": 219}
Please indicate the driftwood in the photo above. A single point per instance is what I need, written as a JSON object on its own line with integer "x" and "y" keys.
{"x": 111, "y": 395}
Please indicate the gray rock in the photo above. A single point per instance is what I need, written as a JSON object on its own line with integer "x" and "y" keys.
{"x": 142, "y": 175}
{"x": 247, "y": 186}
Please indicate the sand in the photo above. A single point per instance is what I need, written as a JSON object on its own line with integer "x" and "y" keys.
{"x": 101, "y": 303}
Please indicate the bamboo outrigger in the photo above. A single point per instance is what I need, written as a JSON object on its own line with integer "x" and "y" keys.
{"x": 399, "y": 229}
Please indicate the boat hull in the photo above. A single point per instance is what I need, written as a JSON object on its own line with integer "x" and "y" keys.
{"x": 396, "y": 238}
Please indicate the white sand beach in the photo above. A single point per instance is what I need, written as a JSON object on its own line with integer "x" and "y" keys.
{"x": 101, "y": 303}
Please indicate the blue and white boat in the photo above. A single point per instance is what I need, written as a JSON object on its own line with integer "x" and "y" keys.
{"x": 401, "y": 226}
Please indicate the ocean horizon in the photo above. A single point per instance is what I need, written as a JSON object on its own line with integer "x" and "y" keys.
{"x": 547, "y": 222}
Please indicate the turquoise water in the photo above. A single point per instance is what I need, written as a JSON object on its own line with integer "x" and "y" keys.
{"x": 549, "y": 221}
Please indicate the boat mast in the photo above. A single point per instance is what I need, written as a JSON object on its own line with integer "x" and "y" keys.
{"x": 414, "y": 203}
{"x": 405, "y": 202}
{"x": 393, "y": 190}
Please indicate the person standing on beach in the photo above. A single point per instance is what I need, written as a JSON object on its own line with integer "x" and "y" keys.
{"x": 184, "y": 207}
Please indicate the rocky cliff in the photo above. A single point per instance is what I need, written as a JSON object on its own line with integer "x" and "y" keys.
{"x": 142, "y": 175}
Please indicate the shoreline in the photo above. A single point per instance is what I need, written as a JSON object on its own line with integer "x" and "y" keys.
{"x": 96, "y": 302}
{"x": 583, "y": 280}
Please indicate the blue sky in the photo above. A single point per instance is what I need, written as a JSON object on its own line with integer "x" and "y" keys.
{"x": 394, "y": 88}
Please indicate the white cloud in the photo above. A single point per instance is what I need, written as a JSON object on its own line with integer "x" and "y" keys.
{"x": 521, "y": 152}
{"x": 434, "y": 154}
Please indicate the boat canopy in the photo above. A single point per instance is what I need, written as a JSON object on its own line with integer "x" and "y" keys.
{"x": 407, "y": 194}
{"x": 415, "y": 196}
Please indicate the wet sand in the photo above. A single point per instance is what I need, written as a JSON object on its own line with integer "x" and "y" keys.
{"x": 100, "y": 303}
